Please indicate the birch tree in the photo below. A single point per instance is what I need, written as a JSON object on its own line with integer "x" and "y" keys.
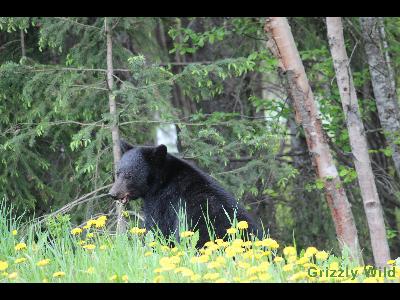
{"x": 282, "y": 45}
{"x": 114, "y": 114}
{"x": 383, "y": 83}
{"x": 358, "y": 142}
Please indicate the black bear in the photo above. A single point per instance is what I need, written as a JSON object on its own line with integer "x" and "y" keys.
{"x": 165, "y": 182}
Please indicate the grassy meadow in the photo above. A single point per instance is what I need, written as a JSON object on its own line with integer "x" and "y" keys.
{"x": 91, "y": 253}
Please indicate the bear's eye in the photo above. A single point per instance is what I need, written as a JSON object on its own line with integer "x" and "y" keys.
{"x": 128, "y": 176}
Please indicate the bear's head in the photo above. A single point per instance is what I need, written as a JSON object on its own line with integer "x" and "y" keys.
{"x": 136, "y": 171}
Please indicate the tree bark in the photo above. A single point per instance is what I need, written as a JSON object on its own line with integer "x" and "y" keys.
{"x": 23, "y": 49}
{"x": 114, "y": 114}
{"x": 358, "y": 142}
{"x": 282, "y": 45}
{"x": 383, "y": 84}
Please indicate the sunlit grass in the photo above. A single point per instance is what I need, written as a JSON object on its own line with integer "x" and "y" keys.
{"x": 92, "y": 254}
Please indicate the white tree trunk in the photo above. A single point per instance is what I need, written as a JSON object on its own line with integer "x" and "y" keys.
{"x": 358, "y": 142}
{"x": 383, "y": 84}
{"x": 282, "y": 44}
{"x": 113, "y": 112}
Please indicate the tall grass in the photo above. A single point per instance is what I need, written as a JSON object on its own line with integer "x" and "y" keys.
{"x": 97, "y": 255}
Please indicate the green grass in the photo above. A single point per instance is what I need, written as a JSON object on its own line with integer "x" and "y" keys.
{"x": 145, "y": 257}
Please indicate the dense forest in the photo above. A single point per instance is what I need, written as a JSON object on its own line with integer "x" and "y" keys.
{"x": 297, "y": 117}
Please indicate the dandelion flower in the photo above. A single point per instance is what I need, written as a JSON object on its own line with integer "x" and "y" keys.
{"x": 3, "y": 265}
{"x": 152, "y": 244}
{"x": 125, "y": 278}
{"x": 45, "y": 280}
{"x": 76, "y": 231}
{"x": 125, "y": 213}
{"x": 289, "y": 251}
{"x": 231, "y": 230}
{"x": 278, "y": 259}
{"x": 13, "y": 275}
{"x": 321, "y": 255}
{"x": 14, "y": 232}
{"x": 90, "y": 270}
{"x": 264, "y": 277}
{"x": 270, "y": 243}
{"x": 287, "y": 268}
{"x": 242, "y": 225}
{"x": 89, "y": 247}
{"x": 89, "y": 235}
{"x": 43, "y": 262}
{"x": 310, "y": 251}
{"x": 186, "y": 234}
{"x": 20, "y": 246}
{"x": 20, "y": 260}
{"x": 58, "y": 274}
{"x": 391, "y": 262}
{"x": 113, "y": 277}
{"x": 137, "y": 230}
{"x": 103, "y": 247}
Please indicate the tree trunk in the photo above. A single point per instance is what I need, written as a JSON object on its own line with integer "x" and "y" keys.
{"x": 383, "y": 84}
{"x": 23, "y": 49}
{"x": 358, "y": 142}
{"x": 282, "y": 45}
{"x": 113, "y": 112}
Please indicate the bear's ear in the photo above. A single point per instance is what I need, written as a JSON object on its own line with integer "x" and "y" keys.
{"x": 159, "y": 153}
{"x": 124, "y": 146}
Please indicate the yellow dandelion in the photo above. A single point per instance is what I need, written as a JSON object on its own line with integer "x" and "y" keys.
{"x": 287, "y": 268}
{"x": 278, "y": 259}
{"x": 242, "y": 225}
{"x": 221, "y": 280}
{"x": 89, "y": 247}
{"x": 113, "y": 278}
{"x": 270, "y": 243}
{"x": 103, "y": 247}
{"x": 14, "y": 232}
{"x": 3, "y": 265}
{"x": 13, "y": 275}
{"x": 231, "y": 230}
{"x": 58, "y": 274}
{"x": 289, "y": 251}
{"x": 310, "y": 251}
{"x": 125, "y": 214}
{"x": 90, "y": 270}
{"x": 20, "y": 260}
{"x": 20, "y": 246}
{"x": 90, "y": 235}
{"x": 321, "y": 255}
{"x": 76, "y": 231}
{"x": 391, "y": 262}
{"x": 152, "y": 244}
{"x": 90, "y": 223}
{"x": 45, "y": 280}
{"x": 186, "y": 234}
{"x": 125, "y": 278}
{"x": 264, "y": 276}
{"x": 43, "y": 262}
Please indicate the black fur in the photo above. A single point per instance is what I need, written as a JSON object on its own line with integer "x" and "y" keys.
{"x": 164, "y": 182}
